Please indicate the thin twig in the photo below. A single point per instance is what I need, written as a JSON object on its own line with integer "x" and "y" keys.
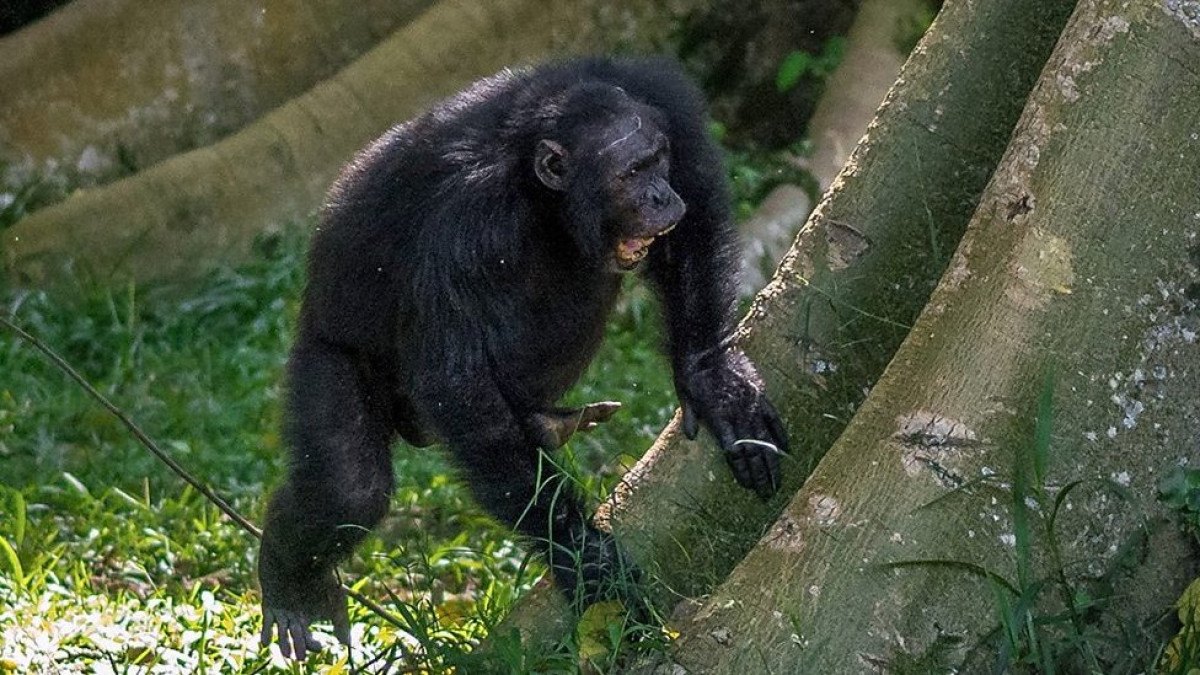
{"x": 133, "y": 428}
{"x": 376, "y": 608}
{"x": 158, "y": 452}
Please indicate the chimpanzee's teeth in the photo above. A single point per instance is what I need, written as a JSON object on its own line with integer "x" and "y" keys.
{"x": 632, "y": 250}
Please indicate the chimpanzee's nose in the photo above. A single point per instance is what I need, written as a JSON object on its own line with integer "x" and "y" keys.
{"x": 660, "y": 199}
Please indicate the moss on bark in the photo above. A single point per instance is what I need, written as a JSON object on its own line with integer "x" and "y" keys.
{"x": 102, "y": 88}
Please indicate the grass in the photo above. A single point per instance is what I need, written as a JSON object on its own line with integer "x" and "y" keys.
{"x": 108, "y": 564}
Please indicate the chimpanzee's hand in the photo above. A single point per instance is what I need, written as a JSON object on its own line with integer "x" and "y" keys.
{"x": 291, "y": 604}
{"x": 725, "y": 392}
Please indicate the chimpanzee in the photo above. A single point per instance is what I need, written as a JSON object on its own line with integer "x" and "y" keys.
{"x": 458, "y": 284}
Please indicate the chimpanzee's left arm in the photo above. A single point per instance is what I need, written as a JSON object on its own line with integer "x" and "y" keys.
{"x": 694, "y": 269}
{"x": 695, "y": 274}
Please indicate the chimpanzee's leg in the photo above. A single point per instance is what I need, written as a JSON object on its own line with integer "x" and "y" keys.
{"x": 338, "y": 431}
{"x": 519, "y": 484}
{"x": 524, "y": 490}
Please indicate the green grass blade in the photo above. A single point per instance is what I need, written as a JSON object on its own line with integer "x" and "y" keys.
{"x": 9, "y": 555}
{"x": 959, "y": 565}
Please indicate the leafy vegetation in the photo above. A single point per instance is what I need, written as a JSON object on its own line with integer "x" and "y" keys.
{"x": 1179, "y": 491}
{"x": 1183, "y": 653}
{"x": 799, "y": 64}
{"x": 912, "y": 27}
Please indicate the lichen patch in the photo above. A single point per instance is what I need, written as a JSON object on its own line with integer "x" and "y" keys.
{"x": 1186, "y": 12}
{"x": 825, "y": 509}
{"x": 960, "y": 266}
{"x": 1040, "y": 268}
{"x": 1113, "y": 25}
{"x": 785, "y": 535}
{"x": 1066, "y": 85}
{"x": 1173, "y": 319}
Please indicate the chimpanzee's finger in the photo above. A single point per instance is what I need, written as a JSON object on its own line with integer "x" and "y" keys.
{"x": 740, "y": 467}
{"x": 691, "y": 423}
{"x": 341, "y": 624}
{"x": 268, "y": 624}
{"x": 735, "y": 455}
{"x": 301, "y": 639}
{"x": 775, "y": 426}
{"x": 285, "y": 638}
{"x": 723, "y": 430}
{"x": 299, "y": 642}
{"x": 767, "y": 464}
{"x": 771, "y": 458}
{"x": 311, "y": 641}
{"x": 760, "y": 473}
{"x": 763, "y": 461}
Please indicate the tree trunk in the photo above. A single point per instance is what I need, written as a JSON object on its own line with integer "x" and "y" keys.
{"x": 856, "y": 277}
{"x": 177, "y": 218}
{"x": 854, "y": 90}
{"x": 858, "y": 274}
{"x": 1083, "y": 260}
{"x": 847, "y": 104}
{"x": 101, "y": 88}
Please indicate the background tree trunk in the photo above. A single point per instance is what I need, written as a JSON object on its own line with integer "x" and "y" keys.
{"x": 101, "y": 88}
{"x": 1084, "y": 259}
{"x": 873, "y": 59}
{"x": 849, "y": 99}
{"x": 177, "y": 218}
{"x": 856, "y": 277}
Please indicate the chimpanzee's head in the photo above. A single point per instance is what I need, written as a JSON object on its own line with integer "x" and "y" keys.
{"x": 610, "y": 157}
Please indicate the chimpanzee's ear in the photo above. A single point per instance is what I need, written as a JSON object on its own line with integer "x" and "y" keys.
{"x": 550, "y": 164}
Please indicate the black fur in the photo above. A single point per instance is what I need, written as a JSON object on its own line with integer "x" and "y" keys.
{"x": 456, "y": 292}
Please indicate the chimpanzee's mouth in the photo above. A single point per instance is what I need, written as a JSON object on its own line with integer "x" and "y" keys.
{"x": 631, "y": 251}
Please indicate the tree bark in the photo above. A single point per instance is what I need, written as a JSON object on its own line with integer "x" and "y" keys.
{"x": 103, "y": 87}
{"x": 855, "y": 279}
{"x": 176, "y": 219}
{"x": 1082, "y": 259}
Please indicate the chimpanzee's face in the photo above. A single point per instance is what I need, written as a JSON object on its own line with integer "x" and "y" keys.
{"x": 644, "y": 206}
{"x": 617, "y": 181}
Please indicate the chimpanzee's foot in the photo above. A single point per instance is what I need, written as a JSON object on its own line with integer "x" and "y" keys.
{"x": 594, "y": 569}
{"x": 289, "y": 609}
{"x": 293, "y": 632}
